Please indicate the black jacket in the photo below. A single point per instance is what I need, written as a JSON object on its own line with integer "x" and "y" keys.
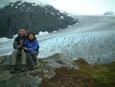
{"x": 18, "y": 42}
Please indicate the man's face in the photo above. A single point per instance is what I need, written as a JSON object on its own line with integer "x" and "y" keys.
{"x": 21, "y": 32}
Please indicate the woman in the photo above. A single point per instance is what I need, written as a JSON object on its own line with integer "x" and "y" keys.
{"x": 31, "y": 46}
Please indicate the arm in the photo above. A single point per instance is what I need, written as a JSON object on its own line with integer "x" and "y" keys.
{"x": 25, "y": 45}
{"x": 16, "y": 45}
{"x": 35, "y": 47}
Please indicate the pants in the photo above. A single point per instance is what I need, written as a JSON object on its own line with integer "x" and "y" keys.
{"x": 32, "y": 58}
{"x": 18, "y": 57}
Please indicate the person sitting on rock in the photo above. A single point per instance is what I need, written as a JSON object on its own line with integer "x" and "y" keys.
{"x": 31, "y": 47}
{"x": 18, "y": 57}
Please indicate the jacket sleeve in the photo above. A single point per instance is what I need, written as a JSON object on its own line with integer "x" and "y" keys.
{"x": 25, "y": 43}
{"x": 35, "y": 47}
{"x": 16, "y": 45}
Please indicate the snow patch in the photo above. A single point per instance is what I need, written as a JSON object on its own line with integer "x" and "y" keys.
{"x": 14, "y": 36}
{"x": 12, "y": 5}
{"x": 4, "y": 39}
{"x": 58, "y": 13}
{"x": 69, "y": 26}
{"x": 60, "y": 29}
{"x": 33, "y": 4}
{"x": 36, "y": 2}
{"x": 52, "y": 13}
{"x": 61, "y": 17}
{"x": 16, "y": 6}
{"x": 43, "y": 33}
{"x": 21, "y": 3}
{"x": 54, "y": 31}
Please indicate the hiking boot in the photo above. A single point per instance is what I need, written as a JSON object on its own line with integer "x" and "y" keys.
{"x": 30, "y": 67}
{"x": 23, "y": 68}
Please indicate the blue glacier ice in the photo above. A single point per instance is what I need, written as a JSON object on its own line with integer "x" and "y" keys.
{"x": 93, "y": 39}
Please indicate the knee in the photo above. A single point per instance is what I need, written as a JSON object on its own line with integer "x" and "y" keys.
{"x": 23, "y": 52}
{"x": 35, "y": 53}
{"x": 29, "y": 55}
{"x": 15, "y": 51}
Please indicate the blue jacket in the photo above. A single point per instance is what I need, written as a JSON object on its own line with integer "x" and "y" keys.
{"x": 31, "y": 45}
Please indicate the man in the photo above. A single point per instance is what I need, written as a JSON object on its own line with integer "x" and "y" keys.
{"x": 18, "y": 55}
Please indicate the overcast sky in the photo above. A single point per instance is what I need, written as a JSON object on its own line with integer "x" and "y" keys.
{"x": 91, "y": 7}
{"x": 88, "y": 7}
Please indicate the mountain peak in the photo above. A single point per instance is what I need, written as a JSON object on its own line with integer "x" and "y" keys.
{"x": 109, "y": 13}
{"x": 33, "y": 17}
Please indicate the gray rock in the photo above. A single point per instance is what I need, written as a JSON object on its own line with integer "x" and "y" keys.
{"x": 19, "y": 80}
{"x": 58, "y": 60}
{"x": 32, "y": 78}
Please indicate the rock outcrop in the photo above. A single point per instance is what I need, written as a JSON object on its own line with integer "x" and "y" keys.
{"x": 32, "y": 78}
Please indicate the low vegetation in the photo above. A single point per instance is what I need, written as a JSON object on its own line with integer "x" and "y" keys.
{"x": 97, "y": 75}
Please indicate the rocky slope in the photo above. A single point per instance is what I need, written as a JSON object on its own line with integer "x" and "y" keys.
{"x": 45, "y": 69}
{"x": 56, "y": 71}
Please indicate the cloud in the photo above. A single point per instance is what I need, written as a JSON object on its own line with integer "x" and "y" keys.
{"x": 90, "y": 7}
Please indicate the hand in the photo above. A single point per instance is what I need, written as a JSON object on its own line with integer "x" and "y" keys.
{"x": 25, "y": 48}
{"x": 19, "y": 47}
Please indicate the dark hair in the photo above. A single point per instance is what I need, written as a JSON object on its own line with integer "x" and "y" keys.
{"x": 32, "y": 34}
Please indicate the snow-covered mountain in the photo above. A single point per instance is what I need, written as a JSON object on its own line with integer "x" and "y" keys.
{"x": 6, "y": 2}
{"x": 109, "y": 13}
{"x": 93, "y": 39}
{"x": 33, "y": 17}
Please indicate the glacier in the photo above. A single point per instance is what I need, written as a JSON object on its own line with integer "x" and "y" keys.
{"x": 93, "y": 39}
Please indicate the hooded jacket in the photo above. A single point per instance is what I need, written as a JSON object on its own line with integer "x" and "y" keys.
{"x": 32, "y": 45}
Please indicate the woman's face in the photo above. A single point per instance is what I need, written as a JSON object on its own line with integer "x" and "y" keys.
{"x": 31, "y": 36}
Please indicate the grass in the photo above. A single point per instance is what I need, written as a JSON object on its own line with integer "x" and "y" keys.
{"x": 98, "y": 75}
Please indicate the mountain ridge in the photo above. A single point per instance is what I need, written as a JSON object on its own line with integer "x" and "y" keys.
{"x": 32, "y": 17}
